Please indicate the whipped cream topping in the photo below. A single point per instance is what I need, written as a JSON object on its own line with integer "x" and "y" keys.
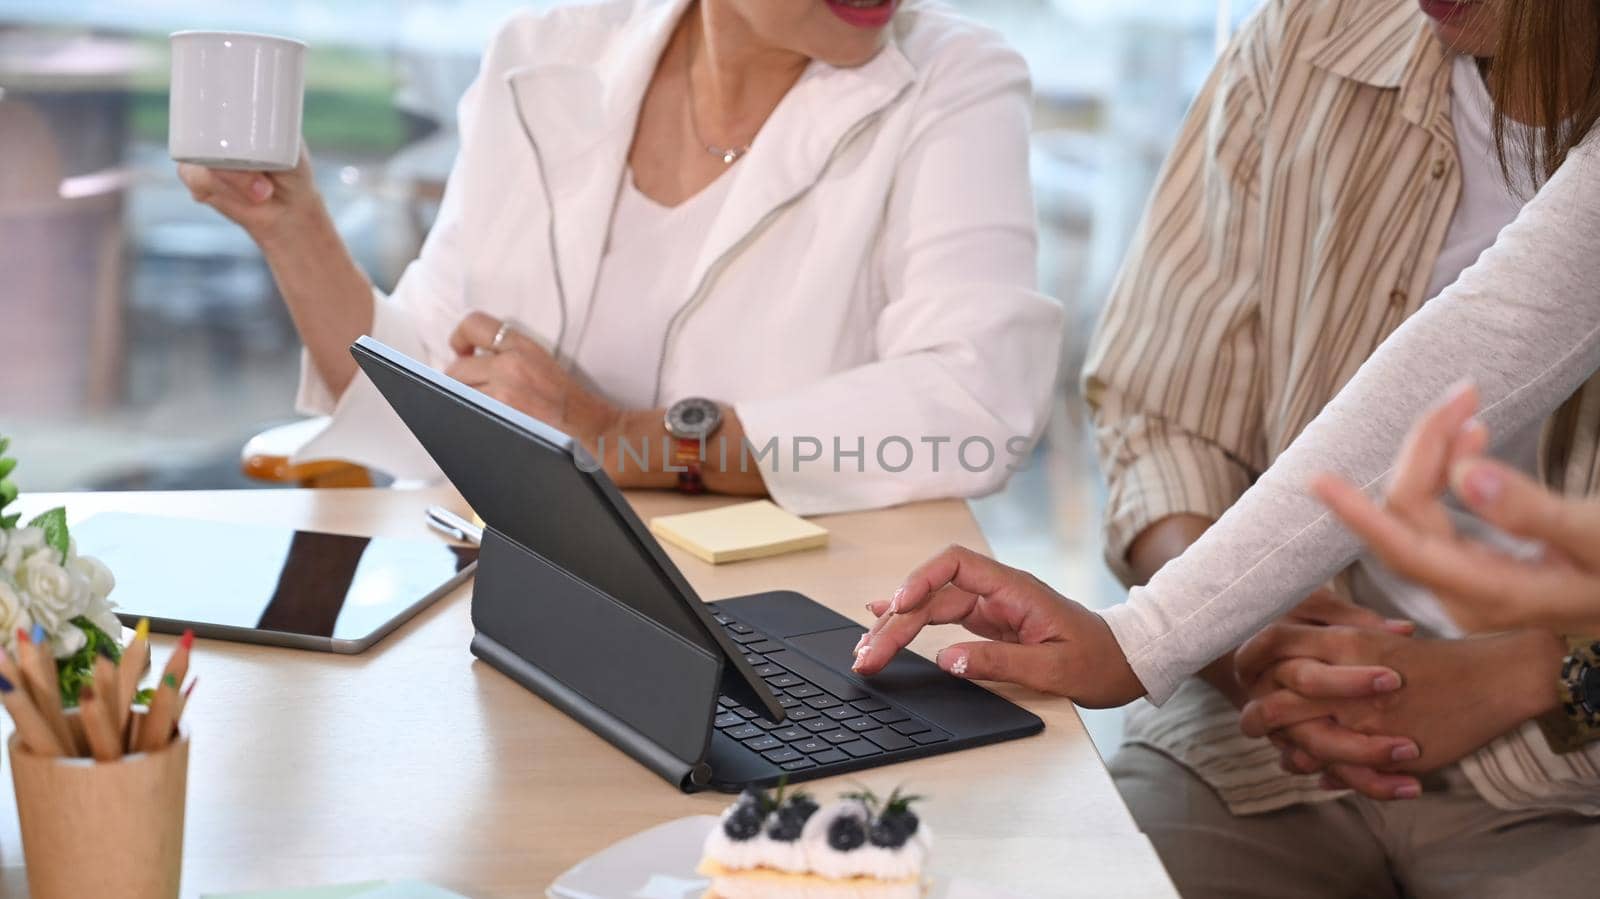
{"x": 812, "y": 854}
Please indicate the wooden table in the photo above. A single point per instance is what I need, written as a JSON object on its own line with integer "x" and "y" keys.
{"x": 416, "y": 760}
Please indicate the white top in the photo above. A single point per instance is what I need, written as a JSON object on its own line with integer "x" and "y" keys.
{"x": 1487, "y": 204}
{"x": 644, "y": 275}
{"x": 1523, "y": 323}
{"x": 869, "y": 275}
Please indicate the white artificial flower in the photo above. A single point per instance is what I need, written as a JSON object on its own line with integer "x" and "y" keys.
{"x": 14, "y": 612}
{"x": 101, "y": 580}
{"x": 66, "y": 640}
{"x": 55, "y": 594}
{"x": 20, "y": 543}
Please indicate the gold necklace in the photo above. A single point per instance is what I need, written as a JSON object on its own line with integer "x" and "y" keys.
{"x": 728, "y": 155}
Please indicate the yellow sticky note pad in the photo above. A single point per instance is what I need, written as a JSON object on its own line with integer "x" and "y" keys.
{"x": 743, "y": 531}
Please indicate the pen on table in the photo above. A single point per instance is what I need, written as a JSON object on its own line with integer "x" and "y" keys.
{"x": 39, "y": 680}
{"x": 453, "y": 525}
{"x": 96, "y": 720}
{"x": 30, "y": 724}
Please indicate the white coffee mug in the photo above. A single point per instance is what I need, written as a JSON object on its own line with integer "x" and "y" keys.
{"x": 236, "y": 100}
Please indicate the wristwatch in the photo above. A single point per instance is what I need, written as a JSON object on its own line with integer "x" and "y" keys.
{"x": 1576, "y": 722}
{"x": 691, "y": 422}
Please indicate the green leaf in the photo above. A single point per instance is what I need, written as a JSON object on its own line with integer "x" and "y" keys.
{"x": 54, "y": 525}
{"x": 8, "y": 493}
{"x": 10, "y": 521}
{"x": 78, "y": 669}
{"x": 5, "y": 443}
{"x": 7, "y": 466}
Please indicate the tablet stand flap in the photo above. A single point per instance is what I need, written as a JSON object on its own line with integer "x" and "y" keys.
{"x": 622, "y": 674}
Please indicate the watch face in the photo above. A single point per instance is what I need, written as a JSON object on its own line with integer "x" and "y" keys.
{"x": 693, "y": 419}
{"x": 1589, "y": 689}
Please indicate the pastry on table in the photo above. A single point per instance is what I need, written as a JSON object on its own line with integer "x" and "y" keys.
{"x": 767, "y": 847}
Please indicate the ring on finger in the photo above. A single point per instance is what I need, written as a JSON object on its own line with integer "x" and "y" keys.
{"x": 500, "y": 336}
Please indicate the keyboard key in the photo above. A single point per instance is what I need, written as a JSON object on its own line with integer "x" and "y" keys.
{"x": 768, "y": 670}
{"x": 788, "y": 702}
{"x": 811, "y": 744}
{"x": 842, "y": 712}
{"x": 862, "y": 723}
{"x": 870, "y": 705}
{"x": 745, "y": 731}
{"x": 728, "y": 719}
{"x": 838, "y": 736}
{"x": 803, "y": 691}
{"x": 721, "y": 618}
{"x": 791, "y": 734}
{"x": 785, "y": 680}
{"x": 753, "y": 660}
{"x": 743, "y": 712}
{"x": 890, "y": 716}
{"x": 765, "y": 646}
{"x": 782, "y": 755}
{"x": 822, "y": 702}
{"x": 887, "y": 738}
{"x": 860, "y": 749}
{"x": 799, "y": 712}
{"x": 747, "y": 638}
{"x": 797, "y": 765}
{"x": 827, "y": 679}
{"x": 763, "y": 743}
{"x": 828, "y": 757}
{"x": 738, "y": 628}
{"x": 909, "y": 727}
{"x": 764, "y": 724}
{"x": 931, "y": 736}
{"x": 819, "y": 724}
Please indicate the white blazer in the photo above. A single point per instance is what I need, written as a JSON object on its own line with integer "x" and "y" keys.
{"x": 870, "y": 276}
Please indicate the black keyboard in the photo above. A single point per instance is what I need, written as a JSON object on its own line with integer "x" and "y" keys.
{"x": 831, "y": 719}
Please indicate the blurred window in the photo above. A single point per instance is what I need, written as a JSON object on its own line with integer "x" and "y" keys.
{"x": 142, "y": 338}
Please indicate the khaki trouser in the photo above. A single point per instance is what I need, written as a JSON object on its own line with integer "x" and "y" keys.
{"x": 1448, "y": 843}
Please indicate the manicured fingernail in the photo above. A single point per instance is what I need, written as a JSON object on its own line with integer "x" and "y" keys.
{"x": 894, "y": 601}
{"x": 1399, "y": 625}
{"x": 859, "y": 644}
{"x": 260, "y": 188}
{"x": 38, "y": 633}
{"x": 954, "y": 662}
{"x": 1409, "y": 791}
{"x": 1405, "y": 752}
{"x": 1387, "y": 682}
{"x": 1483, "y": 485}
{"x": 862, "y": 648}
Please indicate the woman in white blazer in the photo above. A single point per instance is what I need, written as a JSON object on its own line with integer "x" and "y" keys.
{"x": 814, "y": 214}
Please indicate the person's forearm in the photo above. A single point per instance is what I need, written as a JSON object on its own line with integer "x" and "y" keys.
{"x": 1531, "y": 661}
{"x": 637, "y": 452}
{"x": 1156, "y": 546}
{"x": 329, "y": 297}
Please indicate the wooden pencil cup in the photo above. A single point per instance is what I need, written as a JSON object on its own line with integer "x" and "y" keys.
{"x": 102, "y": 829}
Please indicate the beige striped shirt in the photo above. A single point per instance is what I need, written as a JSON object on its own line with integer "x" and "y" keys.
{"x": 1296, "y": 224}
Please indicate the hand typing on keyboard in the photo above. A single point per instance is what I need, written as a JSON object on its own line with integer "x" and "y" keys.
{"x": 1032, "y": 635}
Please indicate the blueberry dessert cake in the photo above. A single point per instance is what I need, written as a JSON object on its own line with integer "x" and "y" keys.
{"x": 788, "y": 847}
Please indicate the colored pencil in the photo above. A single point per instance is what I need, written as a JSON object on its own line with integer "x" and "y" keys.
{"x": 107, "y": 683}
{"x": 43, "y": 684}
{"x": 35, "y": 733}
{"x": 156, "y": 730}
{"x": 135, "y": 661}
{"x": 183, "y": 701}
{"x": 96, "y": 722}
